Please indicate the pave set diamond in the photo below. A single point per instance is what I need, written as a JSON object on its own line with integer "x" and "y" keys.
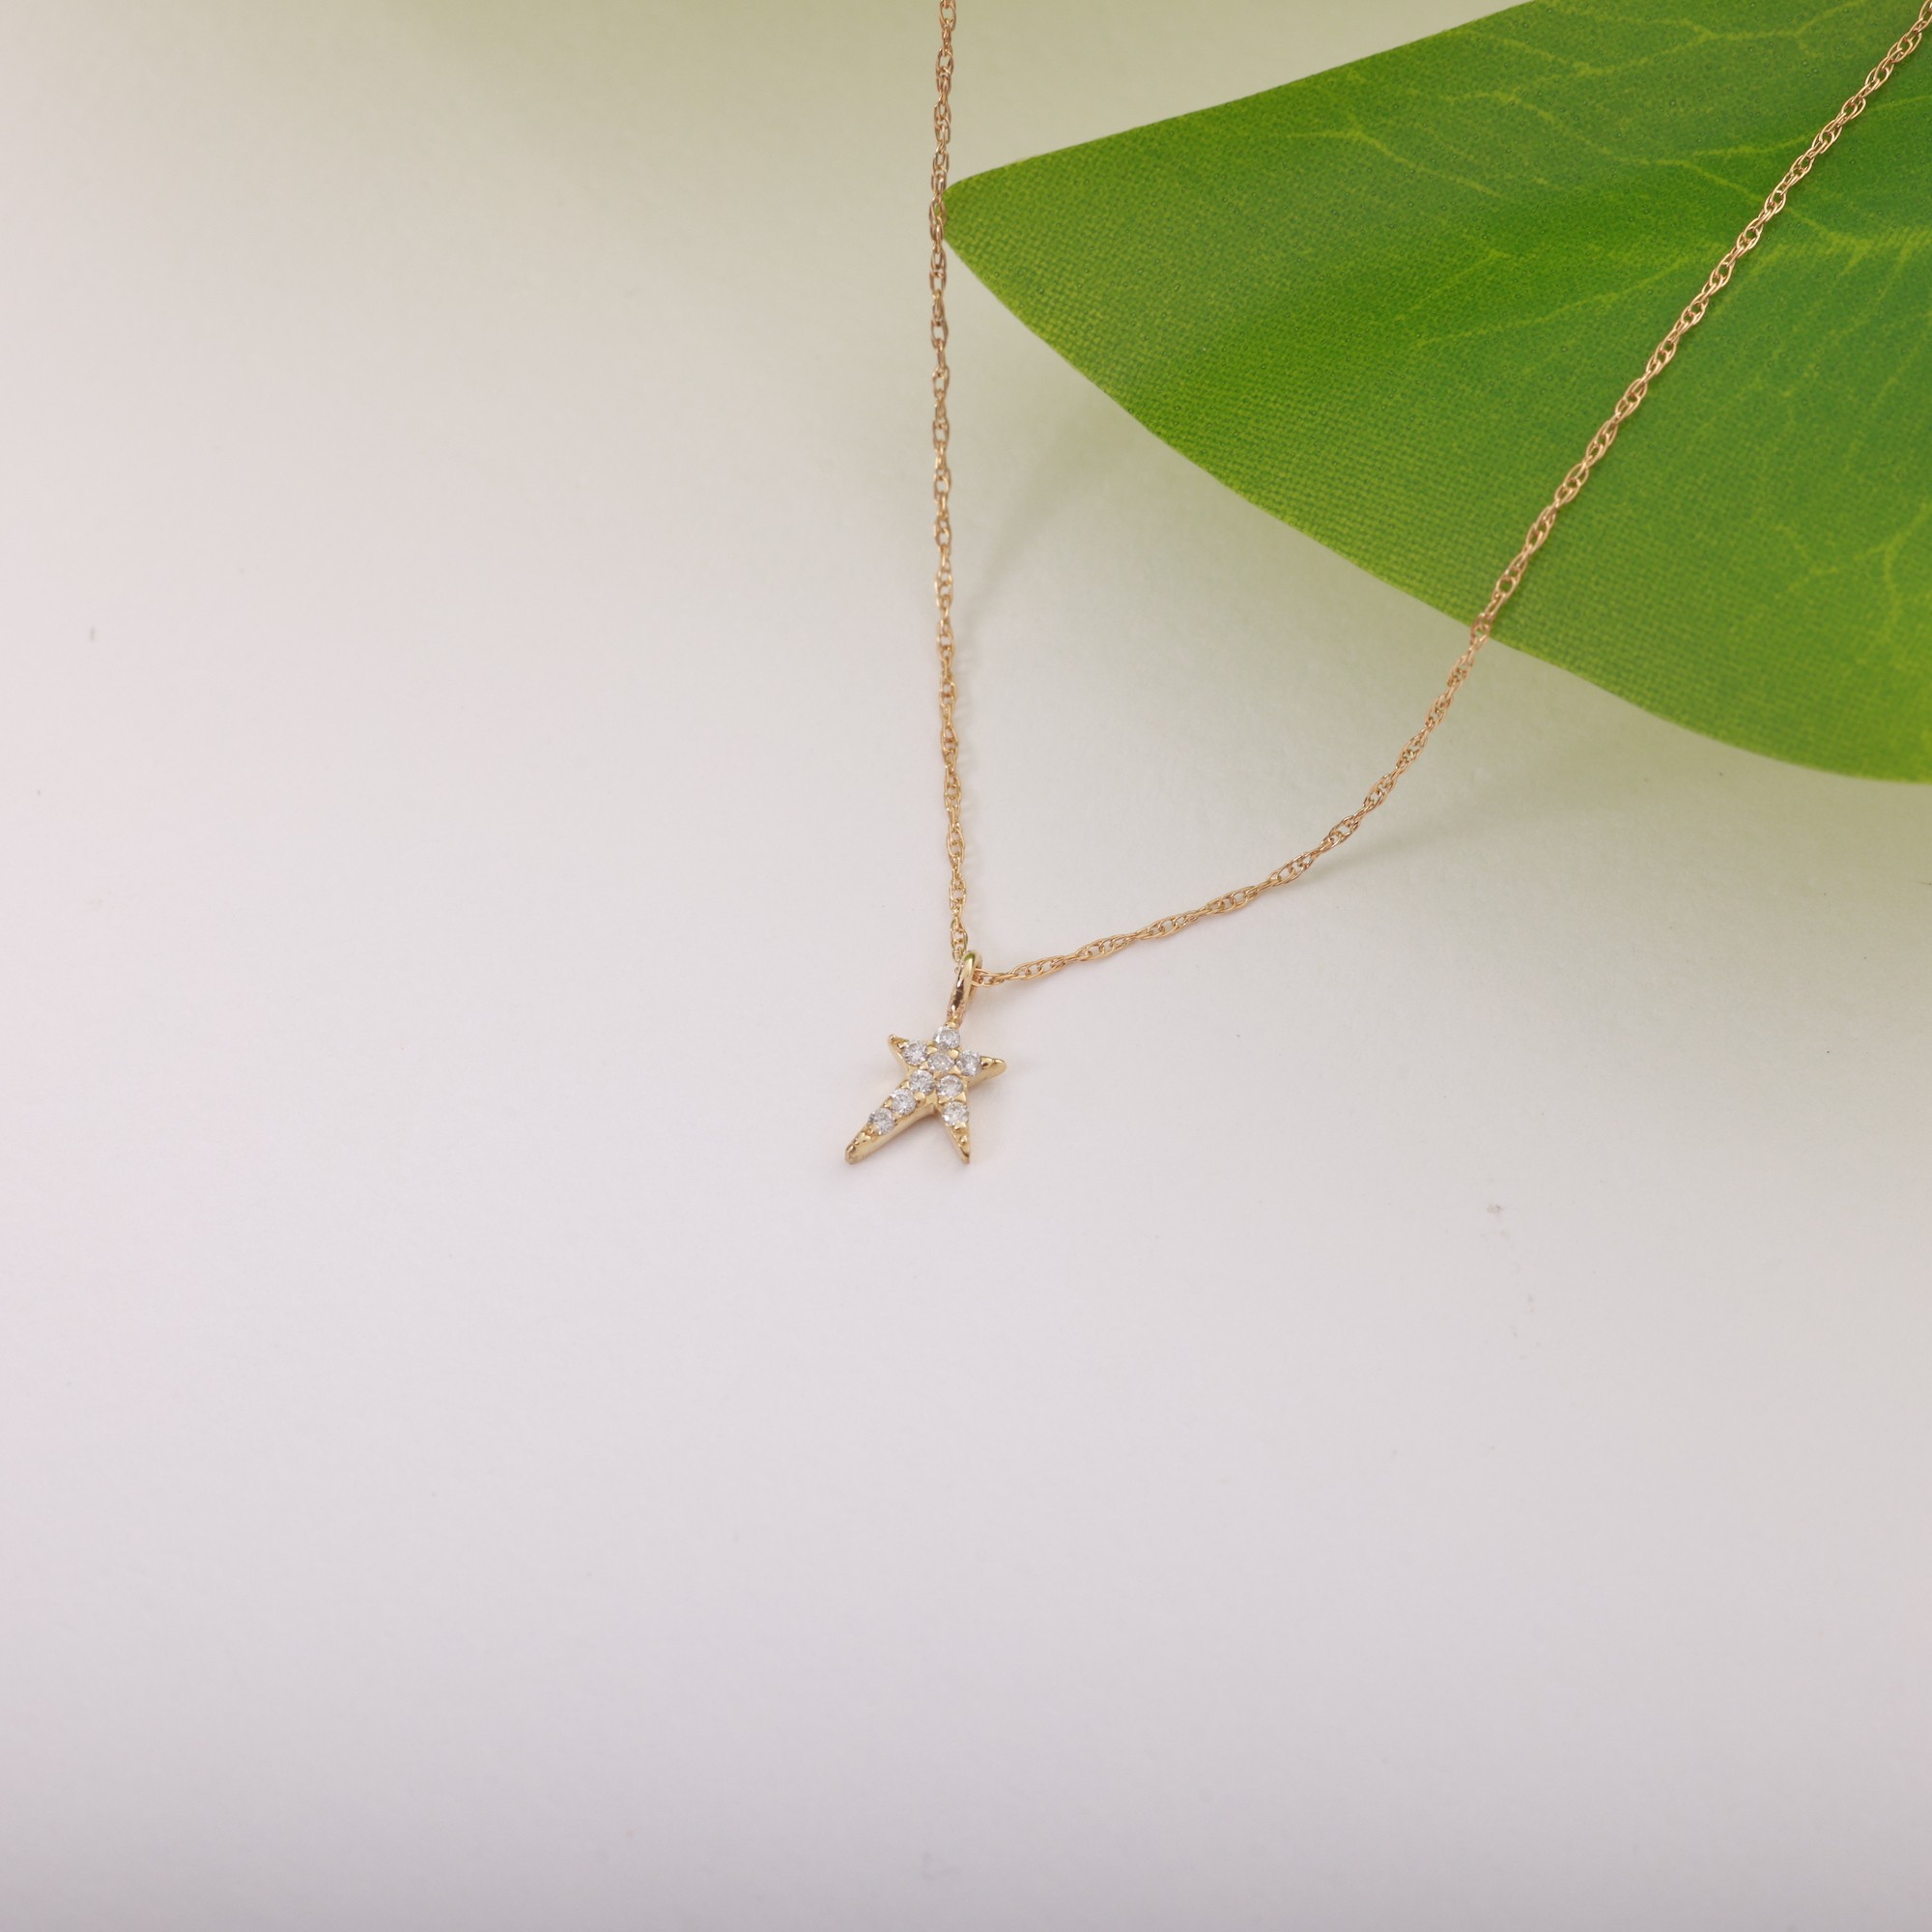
{"x": 937, "y": 1074}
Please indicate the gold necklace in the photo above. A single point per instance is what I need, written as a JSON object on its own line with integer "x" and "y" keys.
{"x": 936, "y": 1074}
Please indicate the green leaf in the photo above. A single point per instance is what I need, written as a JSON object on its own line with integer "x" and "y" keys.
{"x": 1390, "y": 303}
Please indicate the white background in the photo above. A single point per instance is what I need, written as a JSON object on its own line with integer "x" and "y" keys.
{"x": 1415, "y": 1418}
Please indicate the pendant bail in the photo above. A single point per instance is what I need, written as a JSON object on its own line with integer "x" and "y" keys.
{"x": 962, "y": 988}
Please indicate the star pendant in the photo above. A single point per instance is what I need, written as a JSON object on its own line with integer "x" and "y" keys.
{"x": 938, "y": 1071}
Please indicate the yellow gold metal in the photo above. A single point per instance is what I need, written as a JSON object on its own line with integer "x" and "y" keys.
{"x": 942, "y": 1061}
{"x": 1378, "y": 794}
{"x": 964, "y": 980}
{"x": 941, "y": 477}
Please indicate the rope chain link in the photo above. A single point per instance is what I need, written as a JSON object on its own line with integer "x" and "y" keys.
{"x": 942, "y": 475}
{"x": 1480, "y": 630}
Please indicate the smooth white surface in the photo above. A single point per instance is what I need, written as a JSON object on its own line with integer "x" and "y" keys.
{"x": 1416, "y": 1415}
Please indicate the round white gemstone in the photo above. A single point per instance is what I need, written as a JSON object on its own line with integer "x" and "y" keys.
{"x": 969, "y": 1062}
{"x": 949, "y": 1037}
{"x": 900, "y": 1101}
{"x": 913, "y": 1051}
{"x": 952, "y": 1087}
{"x": 936, "y": 1055}
{"x": 921, "y": 1082}
{"x": 953, "y": 1113}
{"x": 879, "y": 1122}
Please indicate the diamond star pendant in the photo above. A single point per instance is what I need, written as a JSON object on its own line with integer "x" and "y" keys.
{"x": 938, "y": 1071}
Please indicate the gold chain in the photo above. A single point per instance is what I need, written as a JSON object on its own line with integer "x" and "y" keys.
{"x": 942, "y": 476}
{"x": 1538, "y": 536}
